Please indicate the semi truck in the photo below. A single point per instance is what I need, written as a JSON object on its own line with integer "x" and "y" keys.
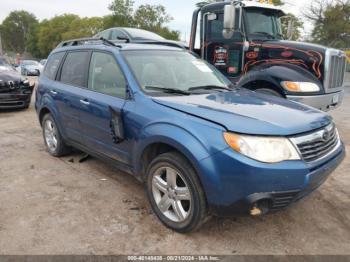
{"x": 244, "y": 40}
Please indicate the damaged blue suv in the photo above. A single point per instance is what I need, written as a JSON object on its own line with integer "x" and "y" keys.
{"x": 201, "y": 146}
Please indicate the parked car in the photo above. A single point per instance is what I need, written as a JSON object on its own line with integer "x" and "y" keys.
{"x": 30, "y": 68}
{"x": 201, "y": 146}
{"x": 15, "y": 91}
{"x": 43, "y": 62}
{"x": 136, "y": 35}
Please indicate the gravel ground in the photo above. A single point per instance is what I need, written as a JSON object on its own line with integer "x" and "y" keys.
{"x": 61, "y": 206}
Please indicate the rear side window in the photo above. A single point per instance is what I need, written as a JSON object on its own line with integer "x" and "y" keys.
{"x": 105, "y": 76}
{"x": 74, "y": 70}
{"x": 52, "y": 65}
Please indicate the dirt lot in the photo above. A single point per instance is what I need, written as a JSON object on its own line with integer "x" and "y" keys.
{"x": 59, "y": 206}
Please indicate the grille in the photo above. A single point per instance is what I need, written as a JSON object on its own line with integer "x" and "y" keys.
{"x": 319, "y": 144}
{"x": 336, "y": 71}
{"x": 10, "y": 86}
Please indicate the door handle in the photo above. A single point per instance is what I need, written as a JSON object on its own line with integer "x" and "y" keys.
{"x": 85, "y": 102}
{"x": 53, "y": 92}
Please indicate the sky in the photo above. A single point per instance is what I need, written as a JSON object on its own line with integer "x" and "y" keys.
{"x": 180, "y": 10}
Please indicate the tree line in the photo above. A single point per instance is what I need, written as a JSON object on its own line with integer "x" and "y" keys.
{"x": 22, "y": 32}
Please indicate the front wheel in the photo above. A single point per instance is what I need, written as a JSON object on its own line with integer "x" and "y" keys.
{"x": 175, "y": 193}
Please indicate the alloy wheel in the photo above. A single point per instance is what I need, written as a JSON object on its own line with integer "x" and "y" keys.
{"x": 50, "y": 132}
{"x": 171, "y": 194}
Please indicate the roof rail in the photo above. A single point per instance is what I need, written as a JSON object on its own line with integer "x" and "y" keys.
{"x": 85, "y": 41}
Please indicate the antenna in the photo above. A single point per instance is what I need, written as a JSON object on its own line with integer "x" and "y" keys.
{"x": 1, "y": 51}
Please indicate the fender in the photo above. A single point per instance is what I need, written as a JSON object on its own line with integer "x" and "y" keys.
{"x": 181, "y": 139}
{"x": 48, "y": 103}
{"x": 275, "y": 73}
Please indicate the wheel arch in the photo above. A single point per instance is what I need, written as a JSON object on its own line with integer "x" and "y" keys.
{"x": 271, "y": 76}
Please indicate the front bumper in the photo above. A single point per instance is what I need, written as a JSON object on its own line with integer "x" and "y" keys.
{"x": 14, "y": 101}
{"x": 324, "y": 102}
{"x": 241, "y": 184}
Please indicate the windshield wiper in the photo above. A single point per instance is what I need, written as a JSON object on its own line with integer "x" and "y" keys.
{"x": 167, "y": 90}
{"x": 266, "y": 34}
{"x": 209, "y": 87}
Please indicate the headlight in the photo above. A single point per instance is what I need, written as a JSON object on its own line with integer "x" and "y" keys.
{"x": 263, "y": 149}
{"x": 300, "y": 86}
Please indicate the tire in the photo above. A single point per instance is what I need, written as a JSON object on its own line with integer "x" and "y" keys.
{"x": 184, "y": 208}
{"x": 268, "y": 91}
{"x": 52, "y": 137}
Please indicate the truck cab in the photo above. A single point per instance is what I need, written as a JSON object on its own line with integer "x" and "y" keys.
{"x": 244, "y": 40}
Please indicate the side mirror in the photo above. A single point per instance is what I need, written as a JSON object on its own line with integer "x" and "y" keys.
{"x": 290, "y": 29}
{"x": 229, "y": 21}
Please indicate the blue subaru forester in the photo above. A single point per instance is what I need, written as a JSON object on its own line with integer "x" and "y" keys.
{"x": 201, "y": 146}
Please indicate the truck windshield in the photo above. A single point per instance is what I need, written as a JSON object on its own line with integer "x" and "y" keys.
{"x": 175, "y": 72}
{"x": 262, "y": 24}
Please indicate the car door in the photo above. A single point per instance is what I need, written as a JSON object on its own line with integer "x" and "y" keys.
{"x": 105, "y": 97}
{"x": 72, "y": 80}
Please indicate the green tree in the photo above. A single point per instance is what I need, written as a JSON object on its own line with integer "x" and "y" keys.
{"x": 64, "y": 27}
{"x": 331, "y": 22}
{"x": 122, "y": 12}
{"x": 32, "y": 40}
{"x": 84, "y": 27}
{"x": 149, "y": 17}
{"x": 52, "y": 31}
{"x": 297, "y": 23}
{"x": 153, "y": 18}
{"x": 16, "y": 29}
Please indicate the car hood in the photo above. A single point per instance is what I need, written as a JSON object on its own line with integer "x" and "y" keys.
{"x": 10, "y": 75}
{"x": 32, "y": 67}
{"x": 247, "y": 112}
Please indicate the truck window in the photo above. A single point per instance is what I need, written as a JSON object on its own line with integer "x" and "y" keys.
{"x": 262, "y": 22}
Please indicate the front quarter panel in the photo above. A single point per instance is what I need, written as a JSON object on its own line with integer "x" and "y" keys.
{"x": 275, "y": 73}
{"x": 193, "y": 137}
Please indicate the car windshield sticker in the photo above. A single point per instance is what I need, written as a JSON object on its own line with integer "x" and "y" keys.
{"x": 202, "y": 67}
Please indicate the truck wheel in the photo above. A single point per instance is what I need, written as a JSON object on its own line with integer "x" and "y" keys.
{"x": 52, "y": 137}
{"x": 268, "y": 91}
{"x": 175, "y": 194}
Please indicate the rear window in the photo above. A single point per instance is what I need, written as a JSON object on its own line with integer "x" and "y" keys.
{"x": 52, "y": 65}
{"x": 74, "y": 70}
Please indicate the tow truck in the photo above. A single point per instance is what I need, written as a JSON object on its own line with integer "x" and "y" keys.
{"x": 244, "y": 40}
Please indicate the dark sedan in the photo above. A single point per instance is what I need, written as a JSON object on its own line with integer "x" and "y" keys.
{"x": 15, "y": 91}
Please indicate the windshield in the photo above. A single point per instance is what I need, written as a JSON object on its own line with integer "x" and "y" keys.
{"x": 262, "y": 23}
{"x": 176, "y": 70}
{"x": 143, "y": 34}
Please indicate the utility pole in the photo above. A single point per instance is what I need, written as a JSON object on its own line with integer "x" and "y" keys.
{"x": 1, "y": 52}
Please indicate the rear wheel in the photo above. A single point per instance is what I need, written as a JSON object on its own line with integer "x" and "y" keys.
{"x": 268, "y": 91}
{"x": 52, "y": 137}
{"x": 175, "y": 194}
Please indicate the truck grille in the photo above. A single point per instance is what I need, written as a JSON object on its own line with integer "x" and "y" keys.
{"x": 335, "y": 71}
{"x": 318, "y": 144}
